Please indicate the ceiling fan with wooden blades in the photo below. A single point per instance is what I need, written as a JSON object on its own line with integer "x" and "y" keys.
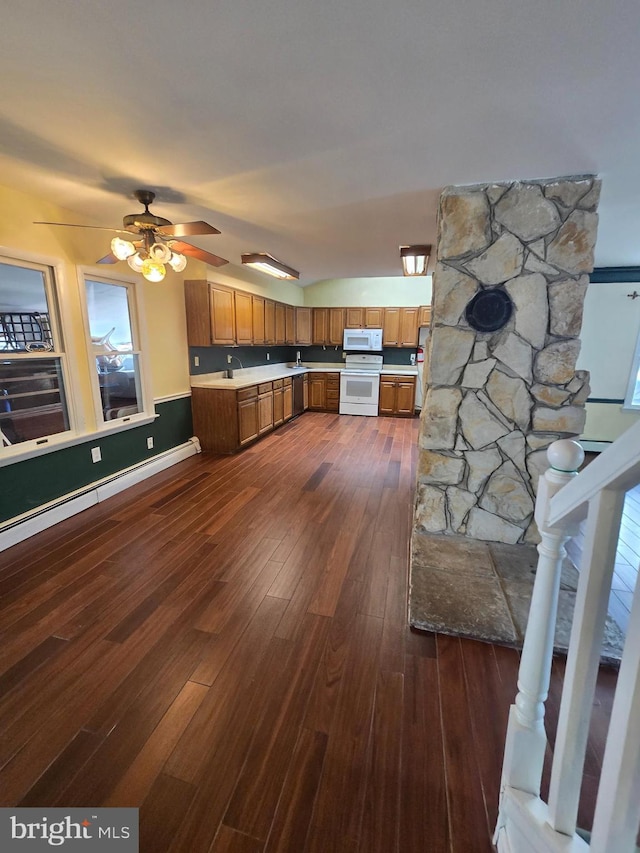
{"x": 158, "y": 241}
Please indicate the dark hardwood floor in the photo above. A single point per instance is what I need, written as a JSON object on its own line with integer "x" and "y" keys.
{"x": 226, "y": 647}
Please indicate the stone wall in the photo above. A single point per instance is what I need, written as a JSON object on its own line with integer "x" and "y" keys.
{"x": 495, "y": 400}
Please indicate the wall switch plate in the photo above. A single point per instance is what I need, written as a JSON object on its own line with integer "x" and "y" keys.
{"x": 344, "y": 355}
{"x": 96, "y": 454}
{"x": 268, "y": 357}
{"x": 229, "y": 357}
{"x": 150, "y": 443}
{"x": 196, "y": 361}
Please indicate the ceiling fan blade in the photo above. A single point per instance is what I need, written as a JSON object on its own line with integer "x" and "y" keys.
{"x": 195, "y": 252}
{"x": 108, "y": 259}
{"x": 187, "y": 229}
{"x": 75, "y": 225}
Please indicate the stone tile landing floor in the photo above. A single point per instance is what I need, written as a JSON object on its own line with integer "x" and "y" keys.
{"x": 482, "y": 590}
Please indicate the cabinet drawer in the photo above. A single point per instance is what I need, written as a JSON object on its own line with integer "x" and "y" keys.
{"x": 277, "y": 383}
{"x": 333, "y": 393}
{"x": 247, "y": 393}
{"x": 288, "y": 381}
{"x": 388, "y": 378}
{"x": 265, "y": 387}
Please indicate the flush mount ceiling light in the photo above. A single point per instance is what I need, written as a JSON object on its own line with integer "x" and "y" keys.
{"x": 265, "y": 263}
{"x": 415, "y": 259}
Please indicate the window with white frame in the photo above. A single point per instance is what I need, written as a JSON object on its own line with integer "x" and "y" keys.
{"x": 632, "y": 398}
{"x": 116, "y": 349}
{"x": 33, "y": 371}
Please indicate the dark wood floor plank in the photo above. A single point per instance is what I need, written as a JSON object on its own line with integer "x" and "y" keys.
{"x": 468, "y": 819}
{"x": 381, "y": 821}
{"x": 423, "y": 792}
{"x": 30, "y": 663}
{"x": 290, "y": 826}
{"x": 231, "y": 841}
{"x": 162, "y": 811}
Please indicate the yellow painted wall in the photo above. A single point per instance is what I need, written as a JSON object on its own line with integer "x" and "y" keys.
{"x": 378, "y": 292}
{"x": 607, "y": 421}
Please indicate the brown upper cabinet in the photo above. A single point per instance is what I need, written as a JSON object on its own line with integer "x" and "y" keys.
{"x": 303, "y": 326}
{"x": 269, "y": 321}
{"x": 280, "y": 323}
{"x": 217, "y": 314}
{"x": 210, "y": 310}
{"x": 336, "y": 327}
{"x": 373, "y": 318}
{"x": 243, "y": 318}
{"x": 320, "y": 319}
{"x": 354, "y": 318}
{"x": 328, "y": 326}
{"x": 424, "y": 315}
{"x": 289, "y": 324}
{"x": 257, "y": 305}
{"x": 400, "y": 327}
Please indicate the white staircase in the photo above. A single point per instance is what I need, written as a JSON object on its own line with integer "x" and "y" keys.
{"x": 526, "y": 824}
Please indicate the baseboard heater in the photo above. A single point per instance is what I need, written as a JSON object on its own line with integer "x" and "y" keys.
{"x": 26, "y": 525}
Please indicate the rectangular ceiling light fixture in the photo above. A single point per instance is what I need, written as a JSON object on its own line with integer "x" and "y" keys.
{"x": 415, "y": 259}
{"x": 265, "y": 263}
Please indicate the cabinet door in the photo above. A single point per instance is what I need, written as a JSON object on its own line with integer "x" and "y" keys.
{"x": 289, "y": 324}
{"x": 317, "y": 391}
{"x": 278, "y": 407}
{"x": 196, "y": 301}
{"x": 244, "y": 318}
{"x": 406, "y": 397}
{"x": 257, "y": 305}
{"x": 391, "y": 327}
{"x": 269, "y": 321}
{"x": 303, "y": 326}
{"x": 280, "y": 323}
{"x": 287, "y": 402}
{"x": 336, "y": 326}
{"x": 373, "y": 318}
{"x": 222, "y": 312}
{"x": 424, "y": 315}
{"x": 265, "y": 412}
{"x": 354, "y": 318}
{"x": 305, "y": 393}
{"x": 332, "y": 398}
{"x": 247, "y": 420}
{"x": 408, "y": 327}
{"x": 387, "y": 402}
{"x": 319, "y": 326}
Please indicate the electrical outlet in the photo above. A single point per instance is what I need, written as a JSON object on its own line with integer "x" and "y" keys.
{"x": 196, "y": 361}
{"x": 268, "y": 357}
{"x": 413, "y": 358}
{"x": 96, "y": 454}
{"x": 150, "y": 443}
{"x": 344, "y": 355}
{"x": 229, "y": 358}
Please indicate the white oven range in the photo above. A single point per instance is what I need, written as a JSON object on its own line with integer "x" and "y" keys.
{"x": 360, "y": 385}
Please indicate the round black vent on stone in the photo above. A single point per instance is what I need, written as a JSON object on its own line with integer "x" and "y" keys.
{"x": 489, "y": 310}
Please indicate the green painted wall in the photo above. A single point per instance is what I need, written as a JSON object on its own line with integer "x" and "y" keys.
{"x": 24, "y": 486}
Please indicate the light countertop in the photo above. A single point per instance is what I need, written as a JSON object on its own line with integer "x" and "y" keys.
{"x": 247, "y": 376}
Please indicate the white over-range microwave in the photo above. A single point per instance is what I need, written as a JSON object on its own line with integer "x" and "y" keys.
{"x": 363, "y": 340}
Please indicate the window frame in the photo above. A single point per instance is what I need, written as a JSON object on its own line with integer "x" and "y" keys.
{"x": 629, "y": 405}
{"x": 139, "y": 333}
{"x": 57, "y": 295}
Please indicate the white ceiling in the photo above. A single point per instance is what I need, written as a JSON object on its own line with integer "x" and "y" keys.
{"x": 321, "y": 131}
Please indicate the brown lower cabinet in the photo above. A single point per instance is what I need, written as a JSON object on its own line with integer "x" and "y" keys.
{"x": 397, "y": 396}
{"x": 324, "y": 391}
{"x": 226, "y": 420}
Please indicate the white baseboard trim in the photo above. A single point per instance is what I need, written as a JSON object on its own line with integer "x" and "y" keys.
{"x": 22, "y": 527}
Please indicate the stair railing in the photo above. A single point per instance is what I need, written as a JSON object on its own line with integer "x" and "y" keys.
{"x": 526, "y": 824}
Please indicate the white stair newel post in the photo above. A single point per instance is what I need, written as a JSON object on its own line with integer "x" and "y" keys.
{"x": 526, "y": 738}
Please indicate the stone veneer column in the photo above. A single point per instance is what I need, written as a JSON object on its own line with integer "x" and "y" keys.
{"x": 494, "y": 401}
